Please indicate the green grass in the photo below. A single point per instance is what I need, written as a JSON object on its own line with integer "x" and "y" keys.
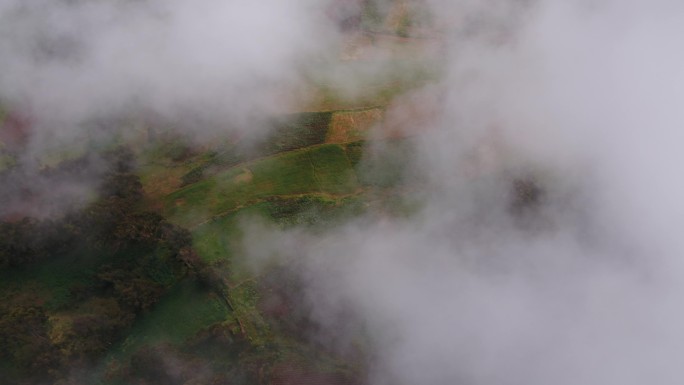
{"x": 298, "y": 131}
{"x": 318, "y": 169}
{"x": 317, "y": 212}
{"x": 183, "y": 312}
{"x": 291, "y": 173}
{"x": 289, "y": 133}
{"x": 332, "y": 170}
{"x": 176, "y": 319}
{"x": 215, "y": 240}
{"x": 159, "y": 172}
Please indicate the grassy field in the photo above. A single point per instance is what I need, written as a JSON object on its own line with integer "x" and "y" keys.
{"x": 297, "y": 131}
{"x": 216, "y": 240}
{"x": 184, "y": 311}
{"x": 171, "y": 164}
{"x": 323, "y": 169}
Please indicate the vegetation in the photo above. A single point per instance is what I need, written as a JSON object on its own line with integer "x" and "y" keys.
{"x": 113, "y": 289}
{"x": 289, "y": 133}
{"x": 73, "y": 285}
{"x": 116, "y": 292}
{"x": 323, "y": 169}
{"x": 297, "y": 131}
{"x": 144, "y": 281}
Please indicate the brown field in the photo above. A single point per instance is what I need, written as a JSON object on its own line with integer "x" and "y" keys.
{"x": 161, "y": 182}
{"x": 352, "y": 126}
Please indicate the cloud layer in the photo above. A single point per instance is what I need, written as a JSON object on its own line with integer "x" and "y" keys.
{"x": 220, "y": 62}
{"x": 583, "y": 286}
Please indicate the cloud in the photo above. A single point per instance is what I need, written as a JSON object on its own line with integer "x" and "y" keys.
{"x": 222, "y": 62}
{"x": 489, "y": 282}
{"x": 76, "y": 74}
{"x": 580, "y": 99}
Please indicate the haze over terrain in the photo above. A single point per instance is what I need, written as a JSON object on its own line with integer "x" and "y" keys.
{"x": 582, "y": 288}
{"x": 537, "y": 238}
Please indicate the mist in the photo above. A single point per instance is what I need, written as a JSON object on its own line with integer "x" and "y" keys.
{"x": 545, "y": 247}
{"x": 580, "y": 285}
{"x": 206, "y": 68}
{"x": 79, "y": 75}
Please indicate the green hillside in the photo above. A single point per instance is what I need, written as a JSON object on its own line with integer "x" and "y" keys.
{"x": 145, "y": 283}
{"x": 166, "y": 292}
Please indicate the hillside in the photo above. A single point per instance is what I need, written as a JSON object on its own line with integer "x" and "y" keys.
{"x": 203, "y": 299}
{"x": 341, "y": 192}
{"x": 143, "y": 280}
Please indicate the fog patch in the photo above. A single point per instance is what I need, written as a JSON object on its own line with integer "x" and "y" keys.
{"x": 547, "y": 250}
